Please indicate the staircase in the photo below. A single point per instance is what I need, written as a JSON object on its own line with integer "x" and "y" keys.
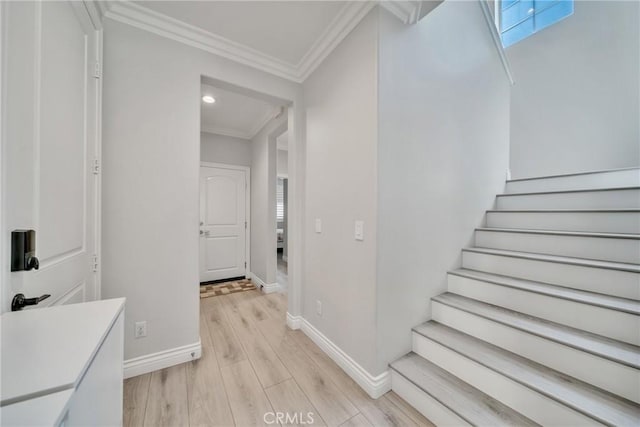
{"x": 541, "y": 325}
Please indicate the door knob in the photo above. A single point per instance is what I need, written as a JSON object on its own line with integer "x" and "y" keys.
{"x": 19, "y": 301}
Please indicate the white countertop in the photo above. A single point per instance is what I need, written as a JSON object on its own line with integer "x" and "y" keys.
{"x": 46, "y": 410}
{"x": 48, "y": 350}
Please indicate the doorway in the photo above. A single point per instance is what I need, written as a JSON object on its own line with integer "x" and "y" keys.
{"x": 238, "y": 175}
{"x": 224, "y": 222}
{"x": 282, "y": 196}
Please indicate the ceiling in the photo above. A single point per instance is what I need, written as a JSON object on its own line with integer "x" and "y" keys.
{"x": 285, "y": 30}
{"x": 234, "y": 114}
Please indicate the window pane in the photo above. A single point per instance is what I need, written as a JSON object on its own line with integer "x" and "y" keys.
{"x": 550, "y": 12}
{"x": 517, "y": 33}
{"x": 516, "y": 14}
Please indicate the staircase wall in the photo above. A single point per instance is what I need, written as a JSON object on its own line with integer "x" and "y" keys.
{"x": 443, "y": 150}
{"x": 575, "y": 104}
{"x": 341, "y": 117}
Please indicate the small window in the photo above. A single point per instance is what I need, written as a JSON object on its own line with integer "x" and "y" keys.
{"x": 280, "y": 200}
{"x": 520, "y": 18}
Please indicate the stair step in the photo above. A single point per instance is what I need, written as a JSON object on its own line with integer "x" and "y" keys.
{"x": 469, "y": 403}
{"x": 605, "y": 277}
{"x": 590, "y": 401}
{"x": 617, "y": 351}
{"x": 610, "y": 265}
{"x": 599, "y": 300}
{"x": 616, "y": 247}
{"x": 617, "y": 378}
{"x": 588, "y": 220}
{"x": 603, "y": 198}
{"x": 595, "y": 313}
{"x": 593, "y": 179}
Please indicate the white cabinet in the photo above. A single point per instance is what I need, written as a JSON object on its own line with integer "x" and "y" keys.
{"x": 63, "y": 365}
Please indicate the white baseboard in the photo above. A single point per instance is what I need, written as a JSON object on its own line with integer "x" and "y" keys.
{"x": 294, "y": 322}
{"x": 162, "y": 359}
{"x": 375, "y": 386}
{"x": 267, "y": 288}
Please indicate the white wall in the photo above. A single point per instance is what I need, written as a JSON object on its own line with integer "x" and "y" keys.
{"x": 341, "y": 99}
{"x": 263, "y": 200}
{"x": 575, "y": 104}
{"x": 224, "y": 149}
{"x": 283, "y": 163}
{"x": 151, "y": 155}
{"x": 442, "y": 157}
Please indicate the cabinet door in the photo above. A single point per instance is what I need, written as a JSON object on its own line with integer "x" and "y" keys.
{"x": 98, "y": 399}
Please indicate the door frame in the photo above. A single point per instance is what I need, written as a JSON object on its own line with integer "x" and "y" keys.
{"x": 94, "y": 18}
{"x": 247, "y": 207}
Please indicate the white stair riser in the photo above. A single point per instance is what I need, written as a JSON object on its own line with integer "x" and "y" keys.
{"x": 599, "y": 222}
{"x": 610, "y": 323}
{"x": 606, "y": 374}
{"x": 605, "y": 281}
{"x": 613, "y": 199}
{"x": 609, "y": 179}
{"x": 437, "y": 413}
{"x": 600, "y": 248}
{"x": 528, "y": 402}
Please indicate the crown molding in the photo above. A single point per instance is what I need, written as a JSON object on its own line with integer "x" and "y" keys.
{"x": 141, "y": 17}
{"x": 163, "y": 25}
{"x": 262, "y": 122}
{"x": 218, "y": 130}
{"x": 269, "y": 115}
{"x": 410, "y": 11}
{"x": 342, "y": 24}
{"x": 405, "y": 10}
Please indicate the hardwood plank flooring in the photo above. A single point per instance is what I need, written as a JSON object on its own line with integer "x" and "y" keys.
{"x": 167, "y": 401}
{"x": 136, "y": 391}
{"x": 228, "y": 347}
{"x": 208, "y": 402}
{"x": 287, "y": 398}
{"x": 253, "y": 364}
{"x": 247, "y": 399}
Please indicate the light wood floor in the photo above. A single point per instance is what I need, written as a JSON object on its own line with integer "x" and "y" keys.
{"x": 253, "y": 364}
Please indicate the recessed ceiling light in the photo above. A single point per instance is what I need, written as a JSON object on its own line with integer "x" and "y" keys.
{"x": 208, "y": 99}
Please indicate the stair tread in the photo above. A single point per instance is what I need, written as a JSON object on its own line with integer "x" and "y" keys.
{"x": 469, "y": 403}
{"x": 578, "y": 190}
{"x": 614, "y": 210}
{"x": 617, "y": 351}
{"x": 562, "y": 233}
{"x": 582, "y": 397}
{"x": 564, "y": 175}
{"x": 634, "y": 268}
{"x": 601, "y": 300}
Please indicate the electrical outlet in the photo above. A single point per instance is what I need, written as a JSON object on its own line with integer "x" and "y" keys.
{"x": 141, "y": 329}
{"x": 319, "y": 308}
{"x": 318, "y": 225}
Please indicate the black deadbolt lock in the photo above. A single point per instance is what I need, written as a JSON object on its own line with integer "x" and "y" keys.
{"x": 23, "y": 250}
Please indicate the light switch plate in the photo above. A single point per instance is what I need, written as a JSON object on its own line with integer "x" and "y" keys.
{"x": 318, "y": 225}
{"x": 359, "y": 230}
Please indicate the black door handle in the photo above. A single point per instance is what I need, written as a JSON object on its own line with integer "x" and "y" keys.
{"x": 19, "y": 301}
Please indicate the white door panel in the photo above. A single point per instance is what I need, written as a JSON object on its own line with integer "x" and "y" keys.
{"x": 50, "y": 146}
{"x": 223, "y": 227}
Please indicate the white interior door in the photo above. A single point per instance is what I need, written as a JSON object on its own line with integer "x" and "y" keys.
{"x": 223, "y": 224}
{"x": 50, "y": 147}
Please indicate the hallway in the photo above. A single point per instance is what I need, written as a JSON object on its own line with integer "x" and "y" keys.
{"x": 282, "y": 272}
{"x": 253, "y": 365}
